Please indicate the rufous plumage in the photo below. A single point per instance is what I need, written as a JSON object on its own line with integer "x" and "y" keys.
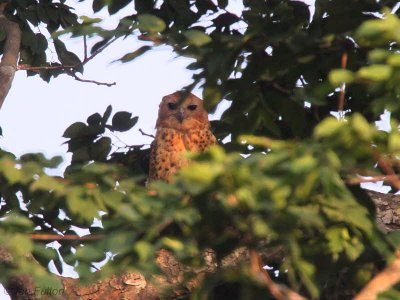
{"x": 182, "y": 126}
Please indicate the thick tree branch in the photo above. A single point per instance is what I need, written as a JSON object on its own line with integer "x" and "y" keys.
{"x": 8, "y": 64}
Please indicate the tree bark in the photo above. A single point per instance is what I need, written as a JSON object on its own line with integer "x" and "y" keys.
{"x": 134, "y": 285}
{"x": 9, "y": 61}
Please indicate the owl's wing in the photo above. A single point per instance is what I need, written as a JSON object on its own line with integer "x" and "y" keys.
{"x": 153, "y": 162}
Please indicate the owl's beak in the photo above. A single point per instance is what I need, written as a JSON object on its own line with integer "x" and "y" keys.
{"x": 180, "y": 114}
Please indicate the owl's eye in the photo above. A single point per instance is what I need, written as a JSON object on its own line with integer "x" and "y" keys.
{"x": 171, "y": 105}
{"x": 192, "y": 106}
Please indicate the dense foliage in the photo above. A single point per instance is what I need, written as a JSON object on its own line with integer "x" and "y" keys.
{"x": 283, "y": 70}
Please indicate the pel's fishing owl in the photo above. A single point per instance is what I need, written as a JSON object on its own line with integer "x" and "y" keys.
{"x": 182, "y": 126}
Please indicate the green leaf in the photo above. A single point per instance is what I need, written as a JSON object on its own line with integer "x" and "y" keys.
{"x": 48, "y": 183}
{"x": 123, "y": 121}
{"x": 375, "y": 72}
{"x": 394, "y": 60}
{"x": 8, "y": 168}
{"x": 132, "y": 55}
{"x": 41, "y": 43}
{"x": 150, "y": 23}
{"x": 145, "y": 250}
{"x": 17, "y": 222}
{"x": 378, "y": 55}
{"x": 223, "y": 3}
{"x": 58, "y": 264}
{"x": 328, "y": 127}
{"x": 173, "y": 244}
{"x": 94, "y": 119}
{"x": 303, "y": 164}
{"x": 212, "y": 97}
{"x": 339, "y": 76}
{"x": 99, "y": 45}
{"x": 197, "y": 38}
{"x": 106, "y": 114}
{"x": 89, "y": 253}
{"x": 98, "y": 5}
{"x": 44, "y": 255}
{"x": 363, "y": 129}
{"x": 88, "y": 20}
{"x": 75, "y": 130}
{"x": 115, "y": 6}
{"x": 101, "y": 148}
{"x": 144, "y": 6}
{"x": 394, "y": 142}
{"x": 67, "y": 58}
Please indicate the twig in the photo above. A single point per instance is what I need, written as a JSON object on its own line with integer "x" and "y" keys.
{"x": 37, "y": 69}
{"x": 385, "y": 178}
{"x": 67, "y": 237}
{"x": 280, "y": 88}
{"x": 387, "y": 168}
{"x": 342, "y": 93}
{"x": 278, "y": 291}
{"x": 381, "y": 282}
{"x": 85, "y": 56}
{"x": 146, "y": 134}
{"x": 91, "y": 81}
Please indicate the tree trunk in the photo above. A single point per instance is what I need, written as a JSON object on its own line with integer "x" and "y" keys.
{"x": 8, "y": 64}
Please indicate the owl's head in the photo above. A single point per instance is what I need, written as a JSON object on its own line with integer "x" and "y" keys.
{"x": 182, "y": 113}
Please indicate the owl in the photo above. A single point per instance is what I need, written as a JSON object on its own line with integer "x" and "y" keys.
{"x": 182, "y": 126}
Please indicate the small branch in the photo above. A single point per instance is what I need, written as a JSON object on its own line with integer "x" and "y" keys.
{"x": 385, "y": 178}
{"x": 67, "y": 237}
{"x": 98, "y": 51}
{"x": 85, "y": 56}
{"x": 278, "y": 291}
{"x": 146, "y": 134}
{"x": 38, "y": 69}
{"x": 92, "y": 81}
{"x": 280, "y": 88}
{"x": 69, "y": 67}
{"x": 342, "y": 93}
{"x": 387, "y": 168}
{"x": 381, "y": 282}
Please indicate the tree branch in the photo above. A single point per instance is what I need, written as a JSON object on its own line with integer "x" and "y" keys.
{"x": 67, "y": 237}
{"x": 381, "y": 282}
{"x": 146, "y": 134}
{"x": 70, "y": 68}
{"x": 385, "y": 178}
{"x": 342, "y": 93}
{"x": 8, "y": 64}
{"x": 91, "y": 81}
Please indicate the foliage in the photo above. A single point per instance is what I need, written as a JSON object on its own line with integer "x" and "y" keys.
{"x": 38, "y": 20}
{"x": 281, "y": 69}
